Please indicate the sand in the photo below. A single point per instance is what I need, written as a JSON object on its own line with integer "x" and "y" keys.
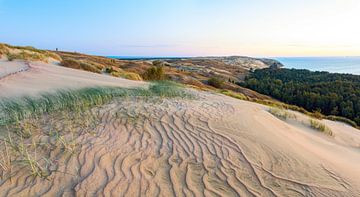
{"x": 211, "y": 146}
{"x": 19, "y": 78}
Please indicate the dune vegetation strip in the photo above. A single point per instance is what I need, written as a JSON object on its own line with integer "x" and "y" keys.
{"x": 12, "y": 110}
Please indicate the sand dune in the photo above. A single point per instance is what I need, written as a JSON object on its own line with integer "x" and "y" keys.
{"x": 211, "y": 146}
{"x": 29, "y": 78}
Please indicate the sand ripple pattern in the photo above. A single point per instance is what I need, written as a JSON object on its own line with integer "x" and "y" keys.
{"x": 173, "y": 148}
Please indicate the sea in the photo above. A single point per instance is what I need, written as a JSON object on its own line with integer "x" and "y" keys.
{"x": 349, "y": 65}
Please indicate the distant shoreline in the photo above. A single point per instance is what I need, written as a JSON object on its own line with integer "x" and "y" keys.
{"x": 344, "y": 65}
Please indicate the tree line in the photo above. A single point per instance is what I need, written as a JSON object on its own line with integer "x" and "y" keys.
{"x": 329, "y": 93}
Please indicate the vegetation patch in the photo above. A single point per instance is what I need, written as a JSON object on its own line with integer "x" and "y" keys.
{"x": 216, "y": 82}
{"x": 27, "y": 53}
{"x": 317, "y": 125}
{"x": 23, "y": 55}
{"x": 12, "y": 110}
{"x": 282, "y": 114}
{"x": 76, "y": 64}
{"x": 329, "y": 93}
{"x": 234, "y": 94}
{"x": 154, "y": 73}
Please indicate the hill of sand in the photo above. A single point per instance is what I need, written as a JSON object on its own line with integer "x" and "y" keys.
{"x": 29, "y": 78}
{"x": 209, "y": 146}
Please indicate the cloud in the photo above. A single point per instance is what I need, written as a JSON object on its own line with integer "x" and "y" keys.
{"x": 150, "y": 46}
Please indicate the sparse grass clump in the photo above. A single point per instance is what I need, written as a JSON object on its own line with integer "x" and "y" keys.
{"x": 126, "y": 75}
{"x": 281, "y": 113}
{"x": 236, "y": 95}
{"x": 315, "y": 124}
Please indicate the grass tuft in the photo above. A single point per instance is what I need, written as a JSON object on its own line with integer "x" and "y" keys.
{"x": 315, "y": 124}
{"x": 282, "y": 114}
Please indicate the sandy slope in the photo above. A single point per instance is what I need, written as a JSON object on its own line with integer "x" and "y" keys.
{"x": 20, "y": 78}
{"x": 211, "y": 146}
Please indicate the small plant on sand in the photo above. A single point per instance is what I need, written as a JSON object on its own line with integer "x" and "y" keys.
{"x": 5, "y": 160}
{"x": 317, "y": 125}
{"x": 67, "y": 144}
{"x": 21, "y": 152}
{"x": 281, "y": 113}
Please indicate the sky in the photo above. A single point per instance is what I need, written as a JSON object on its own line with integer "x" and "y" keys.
{"x": 260, "y": 28}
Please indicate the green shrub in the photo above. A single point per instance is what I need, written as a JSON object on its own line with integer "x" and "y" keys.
{"x": 216, "y": 82}
{"x": 154, "y": 73}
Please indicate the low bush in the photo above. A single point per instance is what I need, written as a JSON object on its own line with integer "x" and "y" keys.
{"x": 216, "y": 82}
{"x": 154, "y": 73}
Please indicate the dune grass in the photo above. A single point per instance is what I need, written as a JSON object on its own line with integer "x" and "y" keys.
{"x": 281, "y": 113}
{"x": 27, "y": 53}
{"x": 16, "y": 109}
{"x": 317, "y": 125}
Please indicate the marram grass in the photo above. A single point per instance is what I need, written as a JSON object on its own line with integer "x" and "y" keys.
{"x": 14, "y": 110}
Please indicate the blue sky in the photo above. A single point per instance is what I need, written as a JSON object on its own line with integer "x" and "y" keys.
{"x": 185, "y": 27}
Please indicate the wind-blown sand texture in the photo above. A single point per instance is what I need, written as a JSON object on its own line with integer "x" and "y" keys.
{"x": 211, "y": 146}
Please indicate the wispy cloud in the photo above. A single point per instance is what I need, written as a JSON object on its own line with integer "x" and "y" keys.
{"x": 149, "y": 46}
